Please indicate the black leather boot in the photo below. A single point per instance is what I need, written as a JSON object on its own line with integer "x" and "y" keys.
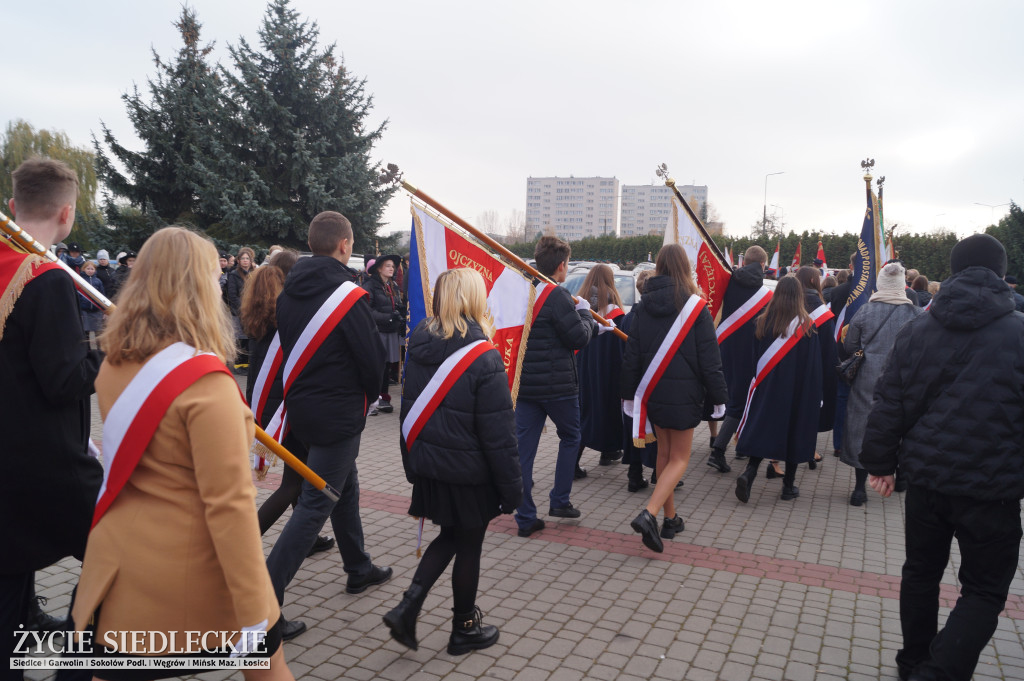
{"x": 402, "y": 619}
{"x": 40, "y": 621}
{"x": 745, "y": 481}
{"x": 469, "y": 633}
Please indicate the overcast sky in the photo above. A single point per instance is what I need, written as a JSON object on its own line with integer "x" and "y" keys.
{"x": 479, "y": 96}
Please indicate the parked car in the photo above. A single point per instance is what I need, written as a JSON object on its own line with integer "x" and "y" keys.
{"x": 625, "y": 284}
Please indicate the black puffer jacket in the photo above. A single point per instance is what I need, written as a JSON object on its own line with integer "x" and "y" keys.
{"x": 386, "y": 305}
{"x": 549, "y": 367}
{"x": 470, "y": 439}
{"x": 233, "y": 289}
{"x": 327, "y": 401}
{"x": 950, "y": 405}
{"x": 696, "y": 369}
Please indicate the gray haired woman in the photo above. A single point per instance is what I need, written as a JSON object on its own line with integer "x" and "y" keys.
{"x": 873, "y": 330}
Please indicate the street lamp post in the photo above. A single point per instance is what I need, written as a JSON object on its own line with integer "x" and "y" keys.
{"x": 764, "y": 215}
{"x": 992, "y": 209}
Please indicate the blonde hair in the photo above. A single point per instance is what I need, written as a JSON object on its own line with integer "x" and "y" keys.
{"x": 459, "y": 295}
{"x": 172, "y": 296}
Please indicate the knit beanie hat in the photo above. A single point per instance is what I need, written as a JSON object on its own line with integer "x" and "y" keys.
{"x": 892, "y": 278}
{"x": 978, "y": 250}
{"x": 102, "y": 255}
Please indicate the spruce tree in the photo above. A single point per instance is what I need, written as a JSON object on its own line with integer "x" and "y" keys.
{"x": 162, "y": 183}
{"x": 293, "y": 140}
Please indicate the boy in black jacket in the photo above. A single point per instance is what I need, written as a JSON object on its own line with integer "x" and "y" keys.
{"x": 549, "y": 386}
{"x": 955, "y": 424}
{"x": 50, "y": 483}
{"x": 326, "y": 408}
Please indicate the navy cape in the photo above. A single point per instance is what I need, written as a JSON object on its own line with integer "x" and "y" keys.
{"x": 600, "y": 364}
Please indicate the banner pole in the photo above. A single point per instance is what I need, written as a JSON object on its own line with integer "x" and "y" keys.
{"x": 700, "y": 225}
{"x": 28, "y": 244}
{"x": 512, "y": 257}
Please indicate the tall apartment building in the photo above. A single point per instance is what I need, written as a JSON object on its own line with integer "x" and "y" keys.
{"x": 572, "y": 207}
{"x": 646, "y": 207}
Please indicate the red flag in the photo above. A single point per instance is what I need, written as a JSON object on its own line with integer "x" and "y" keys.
{"x": 710, "y": 269}
{"x": 821, "y": 256}
{"x": 798, "y": 257}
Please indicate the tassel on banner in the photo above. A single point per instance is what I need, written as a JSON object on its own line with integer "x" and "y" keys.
{"x": 262, "y": 459}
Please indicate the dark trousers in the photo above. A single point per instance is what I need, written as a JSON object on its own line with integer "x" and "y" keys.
{"x": 726, "y": 431}
{"x": 335, "y": 463}
{"x": 15, "y": 593}
{"x": 530, "y": 418}
{"x": 988, "y": 533}
{"x": 287, "y": 492}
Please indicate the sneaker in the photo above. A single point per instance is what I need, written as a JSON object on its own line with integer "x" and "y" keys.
{"x": 671, "y": 527}
{"x": 536, "y": 526}
{"x": 564, "y": 512}
{"x": 377, "y": 575}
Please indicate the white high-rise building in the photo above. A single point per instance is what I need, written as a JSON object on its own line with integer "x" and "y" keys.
{"x": 572, "y": 207}
{"x": 646, "y": 207}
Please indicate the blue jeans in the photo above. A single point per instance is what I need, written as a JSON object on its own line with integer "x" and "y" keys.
{"x": 335, "y": 463}
{"x": 530, "y": 418}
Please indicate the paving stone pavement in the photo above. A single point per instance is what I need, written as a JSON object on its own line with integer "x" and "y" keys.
{"x": 769, "y": 590}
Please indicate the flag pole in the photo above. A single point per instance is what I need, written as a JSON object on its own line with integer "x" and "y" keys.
{"x": 512, "y": 257}
{"x": 670, "y": 182}
{"x": 25, "y": 242}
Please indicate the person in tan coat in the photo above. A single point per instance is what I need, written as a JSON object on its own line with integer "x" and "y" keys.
{"x": 179, "y": 549}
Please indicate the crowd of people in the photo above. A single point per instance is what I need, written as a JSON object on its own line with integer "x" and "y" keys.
{"x": 929, "y": 401}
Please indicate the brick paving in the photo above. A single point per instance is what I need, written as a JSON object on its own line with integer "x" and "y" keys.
{"x": 769, "y": 590}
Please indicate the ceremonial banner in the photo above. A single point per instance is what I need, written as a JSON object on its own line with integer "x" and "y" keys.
{"x": 728, "y": 256}
{"x": 890, "y": 250}
{"x": 712, "y": 273}
{"x": 866, "y": 263}
{"x": 821, "y": 256}
{"x": 437, "y": 246}
{"x": 798, "y": 257}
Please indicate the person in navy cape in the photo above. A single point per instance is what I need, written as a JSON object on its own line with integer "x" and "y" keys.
{"x": 738, "y": 349}
{"x": 600, "y": 364}
{"x": 635, "y": 456}
{"x": 463, "y": 462}
{"x": 810, "y": 277}
{"x": 782, "y": 418}
{"x": 692, "y": 374}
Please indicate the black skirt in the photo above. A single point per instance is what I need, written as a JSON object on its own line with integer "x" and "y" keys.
{"x": 454, "y": 505}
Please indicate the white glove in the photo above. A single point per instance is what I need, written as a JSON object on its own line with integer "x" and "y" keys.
{"x": 627, "y": 407}
{"x": 604, "y": 328}
{"x": 582, "y": 303}
{"x": 718, "y": 412}
{"x": 250, "y": 640}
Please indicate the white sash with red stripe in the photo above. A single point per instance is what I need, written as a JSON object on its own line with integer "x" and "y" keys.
{"x": 438, "y": 386}
{"x": 642, "y": 430}
{"x": 268, "y": 372}
{"x": 138, "y": 411}
{"x": 777, "y": 350}
{"x": 312, "y": 337}
{"x": 612, "y": 311}
{"x": 543, "y": 291}
{"x": 743, "y": 313}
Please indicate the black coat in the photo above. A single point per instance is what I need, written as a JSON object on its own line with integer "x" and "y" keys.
{"x": 117, "y": 280}
{"x": 782, "y": 419}
{"x": 923, "y": 298}
{"x": 829, "y": 360}
{"x": 738, "y": 349}
{"x": 233, "y": 289}
{"x": 105, "y": 272}
{"x": 386, "y": 306}
{"x": 50, "y": 483}
{"x": 258, "y": 348}
{"x": 949, "y": 407}
{"x": 327, "y": 402}
{"x": 600, "y": 366}
{"x": 549, "y": 365}
{"x": 677, "y": 401}
{"x": 470, "y": 439}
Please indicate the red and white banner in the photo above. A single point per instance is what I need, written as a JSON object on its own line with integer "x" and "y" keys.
{"x": 711, "y": 272}
{"x": 821, "y": 256}
{"x": 139, "y": 409}
{"x": 777, "y": 350}
{"x": 312, "y": 337}
{"x": 743, "y": 313}
{"x": 642, "y": 430}
{"x": 512, "y": 299}
{"x": 798, "y": 256}
{"x": 438, "y": 387}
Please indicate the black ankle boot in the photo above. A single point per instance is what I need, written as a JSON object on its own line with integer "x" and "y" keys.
{"x": 40, "y": 621}
{"x": 745, "y": 481}
{"x": 469, "y": 633}
{"x": 402, "y": 619}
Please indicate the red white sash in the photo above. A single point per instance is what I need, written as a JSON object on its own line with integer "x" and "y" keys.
{"x": 268, "y": 372}
{"x": 543, "y": 291}
{"x": 642, "y": 430}
{"x": 138, "y": 411}
{"x": 743, "y": 313}
{"x": 438, "y": 387}
{"x": 777, "y": 350}
{"x": 613, "y": 311}
{"x": 317, "y": 330}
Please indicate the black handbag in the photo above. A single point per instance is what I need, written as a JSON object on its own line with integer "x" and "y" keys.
{"x": 849, "y": 367}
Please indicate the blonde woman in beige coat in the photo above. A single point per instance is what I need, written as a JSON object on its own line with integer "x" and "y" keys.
{"x": 179, "y": 548}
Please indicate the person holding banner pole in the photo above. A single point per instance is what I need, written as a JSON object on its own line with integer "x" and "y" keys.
{"x": 459, "y": 452}
{"x": 175, "y": 544}
{"x": 670, "y": 367}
